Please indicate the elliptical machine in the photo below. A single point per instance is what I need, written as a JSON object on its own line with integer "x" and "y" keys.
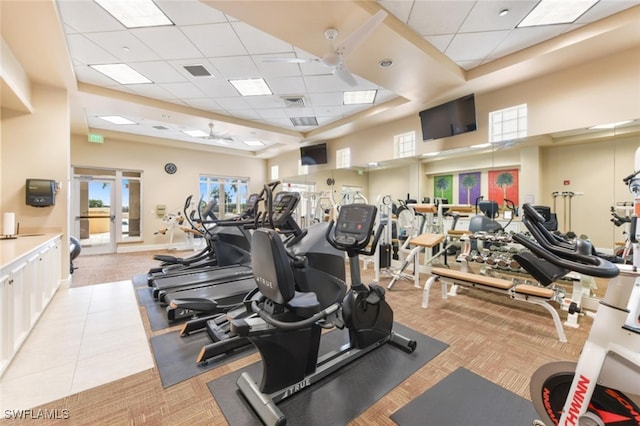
{"x": 286, "y": 329}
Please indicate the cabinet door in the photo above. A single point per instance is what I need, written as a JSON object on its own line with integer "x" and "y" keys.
{"x": 20, "y": 305}
{"x": 6, "y": 325}
{"x": 33, "y": 289}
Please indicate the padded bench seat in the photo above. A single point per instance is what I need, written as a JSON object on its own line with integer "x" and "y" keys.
{"x": 523, "y": 292}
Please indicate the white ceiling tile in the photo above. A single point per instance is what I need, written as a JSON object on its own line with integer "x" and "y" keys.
{"x": 235, "y": 67}
{"x": 206, "y": 104}
{"x": 287, "y": 86}
{"x": 215, "y": 39}
{"x": 276, "y": 69}
{"x": 184, "y": 90}
{"x": 399, "y": 8}
{"x": 439, "y": 17}
{"x": 168, "y": 42}
{"x": 605, "y": 8}
{"x": 328, "y": 111}
{"x": 322, "y": 121}
{"x": 246, "y": 114}
{"x": 190, "y": 12}
{"x": 87, "y": 16}
{"x": 520, "y": 38}
{"x": 216, "y": 87}
{"x": 158, "y": 72}
{"x": 152, "y": 91}
{"x": 473, "y": 46}
{"x": 272, "y": 113}
{"x": 299, "y": 112}
{"x": 258, "y": 42}
{"x": 264, "y": 101}
{"x": 485, "y": 15}
{"x": 324, "y": 83}
{"x": 440, "y": 42}
{"x": 87, "y": 52}
{"x": 326, "y": 99}
{"x": 123, "y": 45}
{"x": 233, "y": 103}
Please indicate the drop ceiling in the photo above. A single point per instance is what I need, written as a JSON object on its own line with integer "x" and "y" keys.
{"x": 439, "y": 49}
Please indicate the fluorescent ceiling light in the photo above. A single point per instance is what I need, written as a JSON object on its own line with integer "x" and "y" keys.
{"x": 359, "y": 97}
{"x": 254, "y": 142}
{"x": 481, "y": 145}
{"x": 195, "y": 133}
{"x": 431, "y": 154}
{"x": 251, "y": 87}
{"x": 135, "y": 13}
{"x": 372, "y": 164}
{"x": 122, "y": 73}
{"x": 549, "y": 12}
{"x": 116, "y": 119}
{"x": 609, "y": 125}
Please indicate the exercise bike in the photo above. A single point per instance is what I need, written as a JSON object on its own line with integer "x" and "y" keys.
{"x": 603, "y": 387}
{"x": 286, "y": 327}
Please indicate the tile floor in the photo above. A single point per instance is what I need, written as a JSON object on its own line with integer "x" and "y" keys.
{"x": 86, "y": 337}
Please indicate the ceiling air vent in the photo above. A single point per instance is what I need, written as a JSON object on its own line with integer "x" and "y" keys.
{"x": 304, "y": 121}
{"x": 197, "y": 70}
{"x": 293, "y": 101}
{"x": 160, "y": 128}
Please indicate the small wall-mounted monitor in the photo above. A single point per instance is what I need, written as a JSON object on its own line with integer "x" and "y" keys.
{"x": 313, "y": 154}
{"x": 40, "y": 192}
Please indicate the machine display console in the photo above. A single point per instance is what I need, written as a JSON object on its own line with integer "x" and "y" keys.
{"x": 283, "y": 205}
{"x": 354, "y": 225}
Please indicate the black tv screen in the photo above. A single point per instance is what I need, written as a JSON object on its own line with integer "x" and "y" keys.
{"x": 449, "y": 119}
{"x": 313, "y": 154}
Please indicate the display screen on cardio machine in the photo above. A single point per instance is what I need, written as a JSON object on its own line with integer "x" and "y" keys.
{"x": 354, "y": 224}
{"x": 283, "y": 203}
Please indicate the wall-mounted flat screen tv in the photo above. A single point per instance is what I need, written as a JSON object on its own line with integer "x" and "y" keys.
{"x": 313, "y": 154}
{"x": 449, "y": 119}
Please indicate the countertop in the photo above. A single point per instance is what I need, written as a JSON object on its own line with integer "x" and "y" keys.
{"x": 13, "y": 249}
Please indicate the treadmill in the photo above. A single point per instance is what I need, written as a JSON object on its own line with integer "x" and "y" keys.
{"x": 232, "y": 244}
{"x": 221, "y": 296}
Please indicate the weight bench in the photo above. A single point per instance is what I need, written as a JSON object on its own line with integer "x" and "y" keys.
{"x": 523, "y": 292}
{"x": 420, "y": 242}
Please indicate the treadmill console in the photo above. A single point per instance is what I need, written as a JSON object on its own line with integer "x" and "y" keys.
{"x": 354, "y": 225}
{"x": 283, "y": 205}
{"x": 252, "y": 205}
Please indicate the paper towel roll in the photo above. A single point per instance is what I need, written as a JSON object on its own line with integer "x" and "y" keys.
{"x": 9, "y": 223}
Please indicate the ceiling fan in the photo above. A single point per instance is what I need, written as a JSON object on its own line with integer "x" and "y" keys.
{"x": 223, "y": 138}
{"x": 337, "y": 54}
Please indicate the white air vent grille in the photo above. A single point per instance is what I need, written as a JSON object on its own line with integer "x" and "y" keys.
{"x": 293, "y": 101}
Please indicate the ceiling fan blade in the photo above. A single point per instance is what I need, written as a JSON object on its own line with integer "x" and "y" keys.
{"x": 356, "y": 38}
{"x": 343, "y": 74}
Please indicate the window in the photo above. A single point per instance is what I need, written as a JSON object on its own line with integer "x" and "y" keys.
{"x": 404, "y": 145}
{"x": 226, "y": 196}
{"x": 508, "y": 123}
{"x": 275, "y": 171}
{"x": 343, "y": 158}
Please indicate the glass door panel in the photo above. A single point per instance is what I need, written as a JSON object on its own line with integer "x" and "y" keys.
{"x": 94, "y": 215}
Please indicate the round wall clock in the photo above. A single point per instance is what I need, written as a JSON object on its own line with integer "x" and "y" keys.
{"x": 170, "y": 168}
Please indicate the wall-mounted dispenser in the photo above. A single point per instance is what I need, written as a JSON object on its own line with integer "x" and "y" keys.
{"x": 40, "y": 192}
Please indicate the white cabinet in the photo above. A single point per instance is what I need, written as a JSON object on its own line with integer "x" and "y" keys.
{"x": 27, "y": 285}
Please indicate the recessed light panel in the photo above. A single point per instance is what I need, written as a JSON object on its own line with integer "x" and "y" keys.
{"x": 549, "y": 12}
{"x": 135, "y": 13}
{"x": 251, "y": 87}
{"x": 254, "y": 142}
{"x": 359, "y": 97}
{"x": 116, "y": 119}
{"x": 122, "y": 73}
{"x": 195, "y": 133}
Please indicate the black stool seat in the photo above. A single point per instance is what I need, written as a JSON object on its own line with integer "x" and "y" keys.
{"x": 305, "y": 305}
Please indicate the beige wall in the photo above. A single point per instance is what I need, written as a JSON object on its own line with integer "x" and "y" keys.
{"x": 36, "y": 145}
{"x": 159, "y": 187}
